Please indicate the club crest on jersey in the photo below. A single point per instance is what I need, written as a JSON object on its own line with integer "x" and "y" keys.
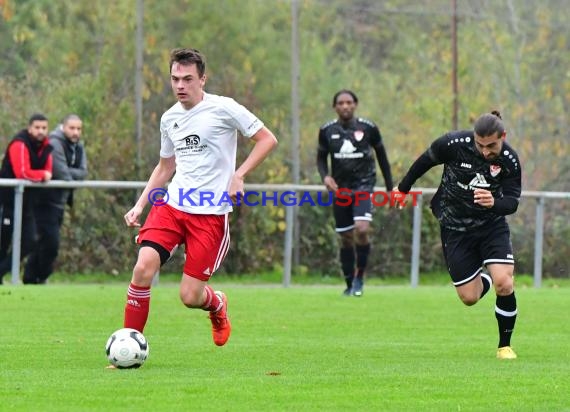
{"x": 495, "y": 170}
{"x": 358, "y": 135}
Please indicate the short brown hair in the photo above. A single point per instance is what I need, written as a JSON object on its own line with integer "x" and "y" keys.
{"x": 188, "y": 57}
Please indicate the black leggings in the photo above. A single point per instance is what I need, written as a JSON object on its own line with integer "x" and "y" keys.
{"x": 29, "y": 233}
{"x": 41, "y": 260}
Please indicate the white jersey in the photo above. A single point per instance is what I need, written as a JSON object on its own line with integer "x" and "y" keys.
{"x": 204, "y": 142}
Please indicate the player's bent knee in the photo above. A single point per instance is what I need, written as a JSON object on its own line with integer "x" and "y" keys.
{"x": 469, "y": 299}
{"x": 469, "y": 293}
{"x": 504, "y": 288}
{"x": 143, "y": 274}
{"x": 146, "y": 267}
{"x": 504, "y": 283}
{"x": 361, "y": 229}
{"x": 347, "y": 239}
{"x": 362, "y": 237}
{"x": 191, "y": 298}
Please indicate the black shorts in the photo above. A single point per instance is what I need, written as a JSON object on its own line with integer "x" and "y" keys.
{"x": 346, "y": 211}
{"x": 466, "y": 252}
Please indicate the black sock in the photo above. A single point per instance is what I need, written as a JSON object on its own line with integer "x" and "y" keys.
{"x": 347, "y": 263}
{"x": 506, "y": 314}
{"x": 362, "y": 252}
{"x": 487, "y": 282}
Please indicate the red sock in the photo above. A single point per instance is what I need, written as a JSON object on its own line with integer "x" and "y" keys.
{"x": 137, "y": 307}
{"x": 212, "y": 302}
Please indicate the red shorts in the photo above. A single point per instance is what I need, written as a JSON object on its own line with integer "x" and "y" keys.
{"x": 206, "y": 238}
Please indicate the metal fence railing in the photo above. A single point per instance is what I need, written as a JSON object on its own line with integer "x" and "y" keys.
{"x": 540, "y": 197}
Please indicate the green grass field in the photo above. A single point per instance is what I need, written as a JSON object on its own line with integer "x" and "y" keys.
{"x": 292, "y": 349}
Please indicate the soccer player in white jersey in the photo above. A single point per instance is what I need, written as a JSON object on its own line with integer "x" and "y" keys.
{"x": 198, "y": 147}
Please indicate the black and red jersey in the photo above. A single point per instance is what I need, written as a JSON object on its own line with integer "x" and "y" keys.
{"x": 465, "y": 170}
{"x": 351, "y": 146}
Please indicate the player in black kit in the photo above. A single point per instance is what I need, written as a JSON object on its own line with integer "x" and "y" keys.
{"x": 351, "y": 142}
{"x": 481, "y": 184}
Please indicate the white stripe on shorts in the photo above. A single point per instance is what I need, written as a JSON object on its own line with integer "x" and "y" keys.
{"x": 504, "y": 261}
{"x": 469, "y": 279}
{"x": 224, "y": 245}
{"x": 344, "y": 229}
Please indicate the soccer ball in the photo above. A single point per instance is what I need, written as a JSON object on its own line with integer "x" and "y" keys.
{"x": 127, "y": 348}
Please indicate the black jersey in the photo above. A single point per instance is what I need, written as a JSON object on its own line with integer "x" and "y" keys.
{"x": 465, "y": 170}
{"x": 351, "y": 147}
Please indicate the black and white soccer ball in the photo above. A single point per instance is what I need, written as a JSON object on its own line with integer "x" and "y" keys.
{"x": 127, "y": 348}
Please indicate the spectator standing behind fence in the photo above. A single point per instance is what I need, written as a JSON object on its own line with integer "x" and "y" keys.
{"x": 480, "y": 185}
{"x": 69, "y": 163}
{"x": 28, "y": 156}
{"x": 198, "y": 151}
{"x": 351, "y": 141}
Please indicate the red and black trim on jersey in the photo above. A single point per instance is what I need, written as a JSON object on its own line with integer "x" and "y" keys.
{"x": 465, "y": 169}
{"x": 351, "y": 146}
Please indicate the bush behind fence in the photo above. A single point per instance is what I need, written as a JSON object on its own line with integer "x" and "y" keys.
{"x": 95, "y": 239}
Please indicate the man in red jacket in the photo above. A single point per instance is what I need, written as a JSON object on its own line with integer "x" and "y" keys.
{"x": 28, "y": 156}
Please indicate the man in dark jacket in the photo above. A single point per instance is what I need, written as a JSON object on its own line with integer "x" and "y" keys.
{"x": 28, "y": 156}
{"x": 69, "y": 163}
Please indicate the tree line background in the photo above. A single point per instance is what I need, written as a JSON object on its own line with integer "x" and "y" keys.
{"x": 62, "y": 57}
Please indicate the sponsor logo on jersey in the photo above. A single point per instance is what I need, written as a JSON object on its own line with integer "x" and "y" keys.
{"x": 466, "y": 165}
{"x": 335, "y": 136}
{"x": 478, "y": 182}
{"x": 358, "y": 135}
{"x": 347, "y": 151}
{"x": 191, "y": 140}
{"x": 495, "y": 170}
{"x": 347, "y": 147}
{"x": 191, "y": 145}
